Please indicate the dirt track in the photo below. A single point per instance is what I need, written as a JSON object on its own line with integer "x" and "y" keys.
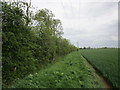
{"x": 100, "y": 77}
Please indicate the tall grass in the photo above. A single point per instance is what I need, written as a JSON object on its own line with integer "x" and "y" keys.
{"x": 68, "y": 72}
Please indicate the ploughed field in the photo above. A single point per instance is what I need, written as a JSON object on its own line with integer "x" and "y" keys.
{"x": 105, "y": 61}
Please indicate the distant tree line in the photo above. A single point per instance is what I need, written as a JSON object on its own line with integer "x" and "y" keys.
{"x": 29, "y": 40}
{"x": 96, "y": 47}
{"x": 85, "y": 47}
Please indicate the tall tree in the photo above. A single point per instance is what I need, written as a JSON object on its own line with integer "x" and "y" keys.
{"x": 48, "y": 29}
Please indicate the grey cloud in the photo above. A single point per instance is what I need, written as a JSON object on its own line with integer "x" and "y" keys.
{"x": 90, "y": 24}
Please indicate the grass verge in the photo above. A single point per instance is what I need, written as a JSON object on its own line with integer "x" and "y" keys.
{"x": 68, "y": 72}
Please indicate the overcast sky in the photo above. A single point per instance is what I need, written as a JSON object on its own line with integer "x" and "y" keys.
{"x": 87, "y": 22}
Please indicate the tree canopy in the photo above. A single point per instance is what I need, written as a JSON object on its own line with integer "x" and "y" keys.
{"x": 29, "y": 40}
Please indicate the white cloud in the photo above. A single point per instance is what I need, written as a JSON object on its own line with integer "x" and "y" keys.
{"x": 115, "y": 38}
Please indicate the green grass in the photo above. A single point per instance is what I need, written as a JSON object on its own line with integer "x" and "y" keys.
{"x": 106, "y": 61}
{"x": 68, "y": 72}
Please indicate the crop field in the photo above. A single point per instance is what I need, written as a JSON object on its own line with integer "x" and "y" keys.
{"x": 106, "y": 61}
{"x": 68, "y": 72}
